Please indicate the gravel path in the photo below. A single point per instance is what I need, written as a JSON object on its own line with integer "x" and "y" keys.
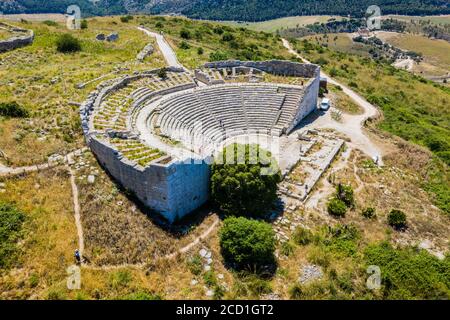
{"x": 166, "y": 50}
{"x": 351, "y": 125}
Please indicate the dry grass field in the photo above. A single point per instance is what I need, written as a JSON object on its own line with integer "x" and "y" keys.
{"x": 435, "y": 52}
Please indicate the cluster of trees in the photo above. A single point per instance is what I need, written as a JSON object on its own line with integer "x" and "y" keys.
{"x": 244, "y": 181}
{"x": 241, "y": 188}
{"x": 258, "y": 10}
{"x": 382, "y": 50}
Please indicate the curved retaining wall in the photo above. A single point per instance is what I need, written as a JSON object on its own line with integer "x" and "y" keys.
{"x": 171, "y": 188}
{"x": 174, "y": 188}
{"x": 16, "y": 41}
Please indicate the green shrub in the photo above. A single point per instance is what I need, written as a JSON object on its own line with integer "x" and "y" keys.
{"x": 287, "y": 248}
{"x": 247, "y": 186}
{"x": 302, "y": 236}
{"x": 200, "y": 51}
{"x": 345, "y": 194}
{"x": 185, "y": 34}
{"x": 369, "y": 213}
{"x": 50, "y": 23}
{"x": 159, "y": 25}
{"x": 218, "y": 56}
{"x": 195, "y": 265}
{"x": 184, "y": 45}
{"x": 120, "y": 279}
{"x": 13, "y": 110}
{"x": 247, "y": 243}
{"x": 162, "y": 73}
{"x": 336, "y": 207}
{"x": 67, "y": 43}
{"x": 84, "y": 24}
{"x": 397, "y": 219}
{"x": 126, "y": 19}
{"x": 210, "y": 279}
{"x": 227, "y": 37}
{"x": 295, "y": 292}
{"x": 11, "y": 224}
{"x": 141, "y": 295}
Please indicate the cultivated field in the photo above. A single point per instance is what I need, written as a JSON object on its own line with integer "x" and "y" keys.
{"x": 283, "y": 23}
{"x": 440, "y": 19}
{"x": 435, "y": 51}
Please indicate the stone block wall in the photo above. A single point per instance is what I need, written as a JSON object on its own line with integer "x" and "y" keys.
{"x": 173, "y": 190}
{"x": 277, "y": 67}
{"x": 17, "y": 41}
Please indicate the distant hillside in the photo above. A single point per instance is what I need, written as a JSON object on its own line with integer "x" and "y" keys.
{"x": 241, "y": 10}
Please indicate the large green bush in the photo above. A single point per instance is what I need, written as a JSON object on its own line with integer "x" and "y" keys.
{"x": 247, "y": 186}
{"x": 397, "y": 219}
{"x": 11, "y": 223}
{"x": 336, "y": 207}
{"x": 67, "y": 43}
{"x": 247, "y": 243}
{"x": 13, "y": 110}
{"x": 345, "y": 193}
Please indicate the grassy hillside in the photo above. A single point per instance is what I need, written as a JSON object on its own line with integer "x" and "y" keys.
{"x": 283, "y": 23}
{"x": 44, "y": 82}
{"x": 414, "y": 108}
{"x": 435, "y": 52}
{"x": 197, "y": 42}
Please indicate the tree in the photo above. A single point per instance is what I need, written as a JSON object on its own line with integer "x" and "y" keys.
{"x": 184, "y": 45}
{"x": 227, "y": 37}
{"x": 218, "y": 56}
{"x": 246, "y": 186}
{"x": 126, "y": 19}
{"x": 247, "y": 243}
{"x": 13, "y": 110}
{"x": 345, "y": 194}
{"x": 185, "y": 34}
{"x": 368, "y": 213}
{"x": 397, "y": 219}
{"x": 336, "y": 207}
{"x": 162, "y": 73}
{"x": 67, "y": 43}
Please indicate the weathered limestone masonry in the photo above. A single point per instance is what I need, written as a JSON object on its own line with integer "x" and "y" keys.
{"x": 276, "y": 67}
{"x": 16, "y": 41}
{"x": 171, "y": 186}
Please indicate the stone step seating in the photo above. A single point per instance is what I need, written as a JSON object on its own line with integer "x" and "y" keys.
{"x": 225, "y": 105}
{"x": 289, "y": 108}
{"x": 262, "y": 105}
{"x": 136, "y": 151}
{"x": 152, "y": 83}
{"x": 223, "y": 108}
{"x": 109, "y": 115}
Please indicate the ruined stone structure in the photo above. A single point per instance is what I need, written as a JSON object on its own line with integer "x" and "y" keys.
{"x": 156, "y": 136}
{"x": 20, "y": 38}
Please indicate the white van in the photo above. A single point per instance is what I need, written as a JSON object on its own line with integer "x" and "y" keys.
{"x": 325, "y": 104}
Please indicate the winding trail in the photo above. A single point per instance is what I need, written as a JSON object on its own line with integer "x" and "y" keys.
{"x": 76, "y": 205}
{"x": 351, "y": 125}
{"x": 169, "y": 256}
{"x": 166, "y": 50}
